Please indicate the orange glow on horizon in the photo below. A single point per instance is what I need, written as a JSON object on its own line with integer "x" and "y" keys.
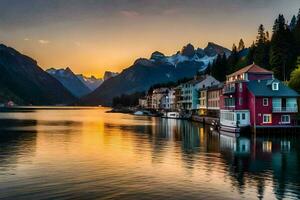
{"x": 95, "y": 37}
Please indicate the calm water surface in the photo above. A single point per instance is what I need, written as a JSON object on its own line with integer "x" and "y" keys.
{"x": 89, "y": 154}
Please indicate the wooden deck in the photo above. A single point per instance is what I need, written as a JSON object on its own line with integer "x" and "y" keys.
{"x": 206, "y": 120}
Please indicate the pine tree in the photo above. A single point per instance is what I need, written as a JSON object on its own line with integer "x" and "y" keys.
{"x": 293, "y": 23}
{"x": 261, "y": 36}
{"x": 216, "y": 70}
{"x": 262, "y": 47}
{"x": 250, "y": 55}
{"x": 241, "y": 45}
{"x": 224, "y": 63}
{"x": 233, "y": 59}
{"x": 267, "y": 36}
{"x": 219, "y": 68}
{"x": 282, "y": 54}
{"x": 296, "y": 33}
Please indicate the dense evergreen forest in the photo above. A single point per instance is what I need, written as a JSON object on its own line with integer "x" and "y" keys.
{"x": 278, "y": 52}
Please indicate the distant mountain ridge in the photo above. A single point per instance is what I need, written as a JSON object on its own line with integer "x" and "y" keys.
{"x": 70, "y": 81}
{"x": 157, "y": 69}
{"x": 109, "y": 74}
{"x": 23, "y": 81}
{"x": 91, "y": 82}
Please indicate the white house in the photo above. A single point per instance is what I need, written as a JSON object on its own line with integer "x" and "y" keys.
{"x": 158, "y": 98}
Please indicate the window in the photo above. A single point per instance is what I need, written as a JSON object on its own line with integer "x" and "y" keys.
{"x": 243, "y": 116}
{"x": 275, "y": 86}
{"x": 241, "y": 87}
{"x": 285, "y": 119}
{"x": 229, "y": 102}
{"x": 276, "y": 102}
{"x": 267, "y": 118}
{"x": 265, "y": 101}
{"x": 238, "y": 117}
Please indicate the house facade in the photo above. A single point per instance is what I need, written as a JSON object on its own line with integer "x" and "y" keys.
{"x": 159, "y": 100}
{"x": 189, "y": 99}
{"x": 209, "y": 100}
{"x": 168, "y": 100}
{"x": 252, "y": 97}
{"x": 143, "y": 103}
{"x": 213, "y": 100}
{"x": 202, "y": 103}
{"x": 172, "y": 99}
{"x": 272, "y": 103}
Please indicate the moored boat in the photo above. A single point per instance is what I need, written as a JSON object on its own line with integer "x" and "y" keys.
{"x": 172, "y": 115}
{"x": 142, "y": 113}
{"x": 139, "y": 113}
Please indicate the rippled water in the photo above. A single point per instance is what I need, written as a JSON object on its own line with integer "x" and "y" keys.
{"x": 89, "y": 154}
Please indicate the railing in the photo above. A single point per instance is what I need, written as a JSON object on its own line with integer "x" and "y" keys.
{"x": 229, "y": 107}
{"x": 229, "y": 89}
{"x": 285, "y": 109}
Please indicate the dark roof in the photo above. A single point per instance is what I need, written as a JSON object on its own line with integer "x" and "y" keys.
{"x": 252, "y": 69}
{"x": 213, "y": 87}
{"x": 196, "y": 80}
{"x": 263, "y": 88}
{"x": 216, "y": 87}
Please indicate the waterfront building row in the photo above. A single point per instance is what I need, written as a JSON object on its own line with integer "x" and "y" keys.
{"x": 250, "y": 96}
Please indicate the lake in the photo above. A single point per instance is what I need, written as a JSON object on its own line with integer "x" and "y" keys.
{"x": 86, "y": 153}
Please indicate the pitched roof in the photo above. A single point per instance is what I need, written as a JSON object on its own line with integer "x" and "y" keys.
{"x": 216, "y": 87}
{"x": 263, "y": 88}
{"x": 252, "y": 69}
{"x": 161, "y": 90}
{"x": 213, "y": 87}
{"x": 196, "y": 80}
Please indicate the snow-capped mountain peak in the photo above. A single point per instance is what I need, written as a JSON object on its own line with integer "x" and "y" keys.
{"x": 70, "y": 81}
{"x": 189, "y": 54}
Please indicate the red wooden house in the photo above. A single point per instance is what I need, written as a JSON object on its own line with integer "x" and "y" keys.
{"x": 252, "y": 97}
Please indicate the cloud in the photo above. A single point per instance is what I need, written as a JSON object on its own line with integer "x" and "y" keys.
{"x": 26, "y": 39}
{"x": 130, "y": 13}
{"x": 44, "y": 41}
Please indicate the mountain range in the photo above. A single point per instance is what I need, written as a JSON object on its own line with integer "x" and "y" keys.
{"x": 25, "y": 83}
{"x": 159, "y": 68}
{"x": 91, "y": 82}
{"x": 78, "y": 84}
{"x": 109, "y": 74}
{"x": 70, "y": 81}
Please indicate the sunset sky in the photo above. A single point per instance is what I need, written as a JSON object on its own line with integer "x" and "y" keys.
{"x": 92, "y": 36}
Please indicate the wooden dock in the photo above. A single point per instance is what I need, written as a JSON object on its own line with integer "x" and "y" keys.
{"x": 206, "y": 120}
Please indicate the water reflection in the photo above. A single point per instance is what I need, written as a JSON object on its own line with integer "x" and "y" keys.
{"x": 14, "y": 144}
{"x": 88, "y": 153}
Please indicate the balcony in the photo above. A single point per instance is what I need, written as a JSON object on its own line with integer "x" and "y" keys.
{"x": 229, "y": 107}
{"x": 229, "y": 89}
{"x": 285, "y": 109}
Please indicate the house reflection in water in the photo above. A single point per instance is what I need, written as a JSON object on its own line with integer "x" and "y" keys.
{"x": 263, "y": 161}
{"x": 267, "y": 146}
{"x": 165, "y": 157}
{"x": 285, "y": 146}
{"x": 237, "y": 145}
